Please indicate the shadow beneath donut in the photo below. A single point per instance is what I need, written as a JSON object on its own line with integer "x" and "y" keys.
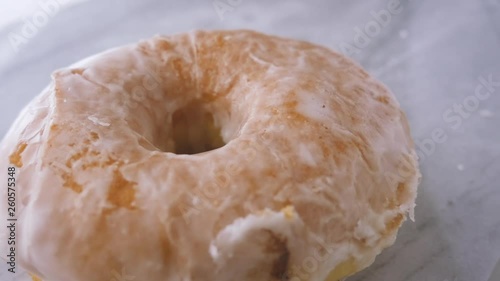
{"x": 420, "y": 251}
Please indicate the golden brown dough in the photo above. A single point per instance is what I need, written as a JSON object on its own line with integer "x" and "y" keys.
{"x": 210, "y": 155}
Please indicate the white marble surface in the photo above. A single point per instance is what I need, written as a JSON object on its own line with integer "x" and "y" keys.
{"x": 430, "y": 54}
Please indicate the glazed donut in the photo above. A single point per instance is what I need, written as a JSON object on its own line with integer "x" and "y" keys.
{"x": 210, "y": 155}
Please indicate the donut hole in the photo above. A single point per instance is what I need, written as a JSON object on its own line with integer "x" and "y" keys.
{"x": 194, "y": 130}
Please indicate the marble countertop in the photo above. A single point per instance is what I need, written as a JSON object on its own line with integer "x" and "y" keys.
{"x": 434, "y": 55}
